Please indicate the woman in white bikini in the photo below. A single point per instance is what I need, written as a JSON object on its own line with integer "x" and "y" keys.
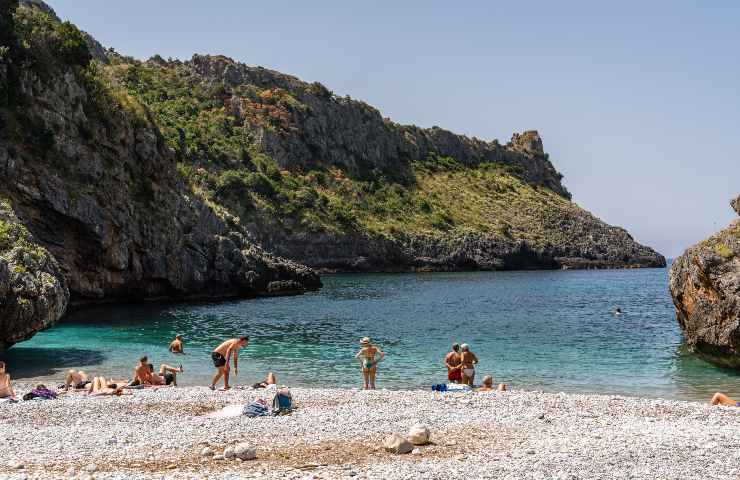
{"x": 368, "y": 362}
{"x": 468, "y": 364}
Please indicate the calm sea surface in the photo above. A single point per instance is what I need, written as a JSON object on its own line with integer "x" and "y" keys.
{"x": 548, "y": 330}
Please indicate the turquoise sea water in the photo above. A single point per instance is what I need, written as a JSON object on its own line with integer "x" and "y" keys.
{"x": 549, "y": 330}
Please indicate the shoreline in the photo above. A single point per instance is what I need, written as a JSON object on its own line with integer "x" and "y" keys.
{"x": 337, "y": 433}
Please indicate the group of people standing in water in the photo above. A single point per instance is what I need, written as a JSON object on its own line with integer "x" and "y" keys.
{"x": 460, "y": 363}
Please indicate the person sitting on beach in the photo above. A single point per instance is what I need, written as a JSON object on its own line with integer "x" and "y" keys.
{"x": 167, "y": 374}
{"x": 368, "y": 363}
{"x": 452, "y": 362}
{"x": 176, "y": 345}
{"x": 100, "y": 386}
{"x": 221, "y": 357}
{"x": 77, "y": 379}
{"x": 144, "y": 374}
{"x": 6, "y": 390}
{"x": 487, "y": 385}
{"x": 270, "y": 379}
{"x": 467, "y": 363}
{"x": 722, "y": 399}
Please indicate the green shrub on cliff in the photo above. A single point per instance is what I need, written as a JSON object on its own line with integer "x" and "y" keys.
{"x": 47, "y": 44}
{"x": 723, "y": 251}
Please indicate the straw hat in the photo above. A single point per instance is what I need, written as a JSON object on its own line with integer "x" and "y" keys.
{"x": 365, "y": 341}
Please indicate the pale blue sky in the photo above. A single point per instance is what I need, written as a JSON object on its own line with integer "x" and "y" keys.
{"x": 636, "y": 103}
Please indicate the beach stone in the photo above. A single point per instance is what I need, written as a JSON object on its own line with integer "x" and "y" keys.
{"x": 206, "y": 452}
{"x": 416, "y": 451}
{"x": 418, "y": 434}
{"x": 229, "y": 453}
{"x": 395, "y": 443}
{"x": 92, "y": 468}
{"x": 218, "y": 457}
{"x": 245, "y": 451}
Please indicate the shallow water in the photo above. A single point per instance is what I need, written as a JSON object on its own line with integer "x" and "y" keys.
{"x": 549, "y": 330}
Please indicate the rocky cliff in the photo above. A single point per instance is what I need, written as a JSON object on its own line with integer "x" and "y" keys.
{"x": 705, "y": 285}
{"x": 95, "y": 207}
{"x": 328, "y": 181}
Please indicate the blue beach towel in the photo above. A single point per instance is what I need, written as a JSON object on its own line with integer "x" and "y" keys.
{"x": 256, "y": 409}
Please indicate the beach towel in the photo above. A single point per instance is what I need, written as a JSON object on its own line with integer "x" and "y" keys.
{"x": 258, "y": 408}
{"x": 41, "y": 393}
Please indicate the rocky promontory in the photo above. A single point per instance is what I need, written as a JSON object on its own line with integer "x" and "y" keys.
{"x": 705, "y": 285}
{"x": 327, "y": 181}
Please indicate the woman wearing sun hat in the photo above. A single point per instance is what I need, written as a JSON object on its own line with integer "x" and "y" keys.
{"x": 368, "y": 363}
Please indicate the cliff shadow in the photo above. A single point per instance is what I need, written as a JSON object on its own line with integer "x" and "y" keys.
{"x": 29, "y": 362}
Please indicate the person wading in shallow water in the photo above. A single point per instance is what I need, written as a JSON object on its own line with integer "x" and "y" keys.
{"x": 176, "y": 345}
{"x": 452, "y": 362}
{"x": 368, "y": 363}
{"x": 221, "y": 357}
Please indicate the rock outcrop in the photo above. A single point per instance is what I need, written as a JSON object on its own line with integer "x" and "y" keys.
{"x": 705, "y": 285}
{"x": 33, "y": 290}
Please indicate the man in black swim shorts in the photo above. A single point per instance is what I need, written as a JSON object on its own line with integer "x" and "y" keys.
{"x": 221, "y": 356}
{"x": 218, "y": 360}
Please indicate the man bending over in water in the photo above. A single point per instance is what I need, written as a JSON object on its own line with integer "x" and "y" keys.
{"x": 176, "y": 345}
{"x": 221, "y": 357}
{"x": 722, "y": 399}
{"x": 6, "y": 391}
{"x": 452, "y": 362}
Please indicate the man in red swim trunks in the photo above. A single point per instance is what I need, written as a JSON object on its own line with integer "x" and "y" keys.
{"x": 453, "y": 362}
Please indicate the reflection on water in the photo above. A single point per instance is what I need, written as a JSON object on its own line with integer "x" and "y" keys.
{"x": 547, "y": 330}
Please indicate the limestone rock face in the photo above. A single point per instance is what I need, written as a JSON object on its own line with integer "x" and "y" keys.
{"x": 33, "y": 290}
{"x": 338, "y": 131}
{"x": 735, "y": 204}
{"x": 705, "y": 285}
{"x": 354, "y": 135}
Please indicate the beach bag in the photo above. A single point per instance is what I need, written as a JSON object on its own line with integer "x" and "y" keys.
{"x": 282, "y": 402}
{"x": 257, "y": 408}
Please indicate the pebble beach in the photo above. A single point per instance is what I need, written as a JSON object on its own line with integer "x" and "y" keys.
{"x": 338, "y": 433}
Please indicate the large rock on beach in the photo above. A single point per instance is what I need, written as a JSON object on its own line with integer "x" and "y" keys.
{"x": 418, "y": 434}
{"x": 245, "y": 451}
{"x": 705, "y": 286}
{"x": 395, "y": 443}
